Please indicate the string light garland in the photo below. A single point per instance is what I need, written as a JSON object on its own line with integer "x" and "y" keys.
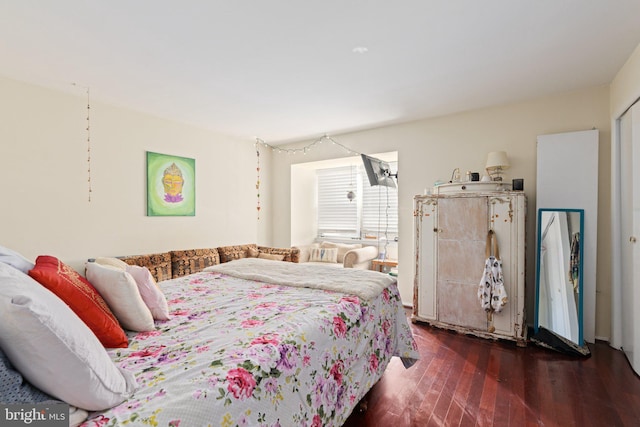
{"x": 304, "y": 150}
{"x": 88, "y": 129}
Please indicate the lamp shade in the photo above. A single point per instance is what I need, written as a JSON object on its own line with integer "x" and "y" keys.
{"x": 497, "y": 160}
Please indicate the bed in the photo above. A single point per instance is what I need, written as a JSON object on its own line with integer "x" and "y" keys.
{"x": 262, "y": 342}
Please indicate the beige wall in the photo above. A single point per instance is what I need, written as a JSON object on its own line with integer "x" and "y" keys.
{"x": 430, "y": 149}
{"x": 45, "y": 208}
{"x": 625, "y": 88}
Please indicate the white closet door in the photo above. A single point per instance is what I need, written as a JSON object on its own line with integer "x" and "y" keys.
{"x": 630, "y": 233}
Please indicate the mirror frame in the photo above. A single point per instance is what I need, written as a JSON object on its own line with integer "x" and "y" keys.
{"x": 581, "y": 342}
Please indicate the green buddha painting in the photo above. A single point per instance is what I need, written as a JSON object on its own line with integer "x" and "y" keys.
{"x": 170, "y": 185}
{"x": 172, "y": 182}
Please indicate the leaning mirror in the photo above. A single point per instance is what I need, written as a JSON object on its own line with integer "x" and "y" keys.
{"x": 558, "y": 314}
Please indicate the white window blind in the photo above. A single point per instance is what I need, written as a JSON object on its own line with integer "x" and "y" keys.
{"x": 374, "y": 211}
{"x": 336, "y": 214}
{"x": 380, "y": 209}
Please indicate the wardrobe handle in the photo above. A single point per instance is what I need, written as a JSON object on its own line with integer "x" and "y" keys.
{"x": 632, "y": 239}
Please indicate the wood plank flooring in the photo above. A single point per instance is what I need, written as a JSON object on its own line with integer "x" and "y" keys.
{"x": 467, "y": 381}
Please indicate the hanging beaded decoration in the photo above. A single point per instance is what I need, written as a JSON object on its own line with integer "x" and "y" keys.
{"x": 89, "y": 144}
{"x": 88, "y": 129}
{"x": 258, "y": 177}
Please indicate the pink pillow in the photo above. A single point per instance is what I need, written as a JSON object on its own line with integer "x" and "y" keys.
{"x": 150, "y": 292}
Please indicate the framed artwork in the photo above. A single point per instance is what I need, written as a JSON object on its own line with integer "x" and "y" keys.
{"x": 171, "y": 185}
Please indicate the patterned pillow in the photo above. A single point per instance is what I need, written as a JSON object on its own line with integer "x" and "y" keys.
{"x": 343, "y": 248}
{"x": 304, "y": 251}
{"x": 229, "y": 253}
{"x": 289, "y": 254}
{"x": 82, "y": 297}
{"x": 193, "y": 260}
{"x": 324, "y": 255}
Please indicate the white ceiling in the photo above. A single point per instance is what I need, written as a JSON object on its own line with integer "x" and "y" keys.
{"x": 285, "y": 70}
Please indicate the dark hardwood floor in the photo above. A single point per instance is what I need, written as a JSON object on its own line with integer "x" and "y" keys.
{"x": 467, "y": 381}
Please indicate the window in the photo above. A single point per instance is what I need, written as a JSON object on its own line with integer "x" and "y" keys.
{"x": 374, "y": 211}
{"x": 337, "y": 214}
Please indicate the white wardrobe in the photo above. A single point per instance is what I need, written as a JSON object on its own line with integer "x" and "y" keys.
{"x": 450, "y": 241}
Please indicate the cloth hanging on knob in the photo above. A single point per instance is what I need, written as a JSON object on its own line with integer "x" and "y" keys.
{"x": 491, "y": 290}
{"x": 574, "y": 261}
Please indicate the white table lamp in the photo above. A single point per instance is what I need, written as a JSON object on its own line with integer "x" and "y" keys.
{"x": 497, "y": 162}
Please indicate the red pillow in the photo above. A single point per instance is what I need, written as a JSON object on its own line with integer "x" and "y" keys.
{"x": 81, "y": 297}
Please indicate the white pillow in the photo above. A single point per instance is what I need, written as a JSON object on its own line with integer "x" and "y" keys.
{"x": 121, "y": 294}
{"x": 150, "y": 292}
{"x": 15, "y": 260}
{"x": 343, "y": 248}
{"x": 324, "y": 255}
{"x": 53, "y": 349}
{"x": 113, "y": 262}
{"x": 77, "y": 416}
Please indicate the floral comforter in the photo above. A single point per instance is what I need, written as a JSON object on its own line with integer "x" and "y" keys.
{"x": 238, "y": 352}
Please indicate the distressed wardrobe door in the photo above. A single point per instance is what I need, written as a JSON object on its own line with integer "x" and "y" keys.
{"x": 507, "y": 221}
{"x": 462, "y": 231}
{"x": 424, "y": 289}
